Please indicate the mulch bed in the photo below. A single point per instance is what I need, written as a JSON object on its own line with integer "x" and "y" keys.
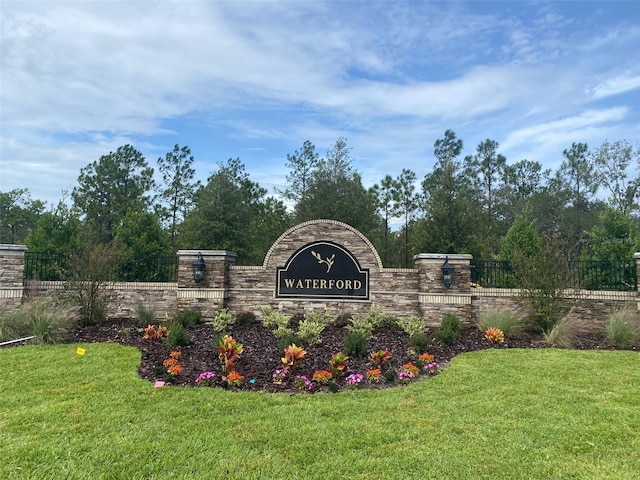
{"x": 261, "y": 355}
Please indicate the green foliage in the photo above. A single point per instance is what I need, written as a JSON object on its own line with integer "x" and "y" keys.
{"x": 420, "y": 342}
{"x": 178, "y": 187}
{"x": 187, "y": 318}
{"x": 451, "y": 209}
{"x": 42, "y": 317}
{"x": 361, "y": 326}
{"x": 246, "y": 318}
{"x": 543, "y": 280}
{"x": 318, "y": 315}
{"x": 274, "y": 319}
{"x": 231, "y": 212}
{"x": 18, "y": 215}
{"x": 522, "y": 238}
{"x": 142, "y": 237}
{"x": 286, "y": 337}
{"x": 222, "y": 320}
{"x": 144, "y": 314}
{"x": 560, "y": 335}
{"x": 622, "y": 328}
{"x": 616, "y": 238}
{"x": 309, "y": 332}
{"x": 413, "y": 326}
{"x": 332, "y": 189}
{"x": 449, "y": 330}
{"x": 111, "y": 187}
{"x": 377, "y": 319}
{"x": 505, "y": 320}
{"x": 87, "y": 286}
{"x": 177, "y": 337}
{"x": 356, "y": 344}
{"x": 57, "y": 231}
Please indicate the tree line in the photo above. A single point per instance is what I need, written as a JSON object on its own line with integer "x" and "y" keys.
{"x": 479, "y": 204}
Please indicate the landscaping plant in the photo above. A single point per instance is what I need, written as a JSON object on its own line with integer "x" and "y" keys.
{"x": 228, "y": 352}
{"x": 144, "y": 314}
{"x": 338, "y": 364}
{"x": 494, "y": 335}
{"x": 505, "y": 320}
{"x": 449, "y": 330}
{"x": 622, "y": 329}
{"x": 293, "y": 356}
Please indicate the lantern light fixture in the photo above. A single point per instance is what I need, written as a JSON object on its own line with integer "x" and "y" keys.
{"x": 199, "y": 267}
{"x": 447, "y": 273}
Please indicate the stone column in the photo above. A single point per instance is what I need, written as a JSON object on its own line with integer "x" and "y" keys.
{"x": 11, "y": 276}
{"x": 434, "y": 298}
{"x": 209, "y": 295}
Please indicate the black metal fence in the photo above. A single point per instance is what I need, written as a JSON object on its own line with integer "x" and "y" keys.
{"x": 619, "y": 275}
{"x": 52, "y": 266}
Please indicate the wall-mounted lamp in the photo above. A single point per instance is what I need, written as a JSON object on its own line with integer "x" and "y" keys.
{"x": 199, "y": 267}
{"x": 447, "y": 273}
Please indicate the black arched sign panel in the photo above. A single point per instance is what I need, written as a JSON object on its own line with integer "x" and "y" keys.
{"x": 323, "y": 270}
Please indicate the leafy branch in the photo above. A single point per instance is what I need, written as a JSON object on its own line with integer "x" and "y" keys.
{"x": 329, "y": 260}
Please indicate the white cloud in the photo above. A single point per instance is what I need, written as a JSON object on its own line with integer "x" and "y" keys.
{"x": 616, "y": 86}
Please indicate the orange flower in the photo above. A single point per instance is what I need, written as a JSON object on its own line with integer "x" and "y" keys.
{"x": 425, "y": 357}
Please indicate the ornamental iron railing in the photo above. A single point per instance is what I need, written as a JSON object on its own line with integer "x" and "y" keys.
{"x": 56, "y": 267}
{"x": 617, "y": 275}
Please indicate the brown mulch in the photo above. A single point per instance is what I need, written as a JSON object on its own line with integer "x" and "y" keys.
{"x": 261, "y": 355}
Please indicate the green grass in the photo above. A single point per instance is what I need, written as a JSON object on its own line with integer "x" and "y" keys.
{"x": 492, "y": 414}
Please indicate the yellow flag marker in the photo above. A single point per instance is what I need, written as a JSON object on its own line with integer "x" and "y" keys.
{"x": 80, "y": 351}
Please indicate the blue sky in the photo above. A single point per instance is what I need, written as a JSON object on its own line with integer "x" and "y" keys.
{"x": 256, "y": 79}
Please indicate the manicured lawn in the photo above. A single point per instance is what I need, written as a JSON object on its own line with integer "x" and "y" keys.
{"x": 491, "y": 414}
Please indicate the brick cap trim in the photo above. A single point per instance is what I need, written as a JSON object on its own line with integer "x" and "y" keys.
{"x": 9, "y": 249}
{"x": 442, "y": 256}
{"x": 318, "y": 222}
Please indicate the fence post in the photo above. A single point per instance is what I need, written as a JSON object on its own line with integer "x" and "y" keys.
{"x": 11, "y": 276}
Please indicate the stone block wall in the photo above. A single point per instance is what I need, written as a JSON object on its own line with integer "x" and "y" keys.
{"x": 402, "y": 293}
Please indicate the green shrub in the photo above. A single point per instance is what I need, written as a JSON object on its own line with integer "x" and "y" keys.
{"x": 356, "y": 344}
{"x": 622, "y": 329}
{"x": 505, "y": 320}
{"x": 286, "y": 337}
{"x": 420, "y": 342}
{"x": 362, "y": 326}
{"x": 309, "y": 332}
{"x": 323, "y": 317}
{"x": 246, "y": 318}
{"x": 222, "y": 320}
{"x": 559, "y": 335}
{"x": 449, "y": 330}
{"x": 188, "y": 318}
{"x": 144, "y": 315}
{"x": 413, "y": 325}
{"x": 273, "y": 319}
{"x": 178, "y": 336}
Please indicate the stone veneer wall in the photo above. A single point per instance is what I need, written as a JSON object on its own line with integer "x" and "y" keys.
{"x": 125, "y": 296}
{"x": 399, "y": 292}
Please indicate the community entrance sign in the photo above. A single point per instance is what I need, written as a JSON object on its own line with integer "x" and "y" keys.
{"x": 323, "y": 270}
